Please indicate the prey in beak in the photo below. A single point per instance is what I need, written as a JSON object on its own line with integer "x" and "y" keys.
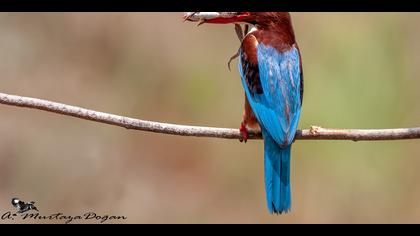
{"x": 221, "y": 18}
{"x": 241, "y": 35}
{"x": 211, "y": 17}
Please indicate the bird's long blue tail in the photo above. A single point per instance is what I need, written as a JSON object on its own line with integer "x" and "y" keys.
{"x": 277, "y": 175}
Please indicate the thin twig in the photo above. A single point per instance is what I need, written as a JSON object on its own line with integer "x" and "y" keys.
{"x": 315, "y": 133}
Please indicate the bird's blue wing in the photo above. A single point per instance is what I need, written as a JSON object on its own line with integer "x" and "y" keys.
{"x": 276, "y": 97}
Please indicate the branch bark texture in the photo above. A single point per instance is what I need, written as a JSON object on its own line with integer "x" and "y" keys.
{"x": 314, "y": 133}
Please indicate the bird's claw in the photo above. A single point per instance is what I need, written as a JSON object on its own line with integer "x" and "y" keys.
{"x": 244, "y": 133}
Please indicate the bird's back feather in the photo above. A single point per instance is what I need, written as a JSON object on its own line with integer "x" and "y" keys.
{"x": 273, "y": 89}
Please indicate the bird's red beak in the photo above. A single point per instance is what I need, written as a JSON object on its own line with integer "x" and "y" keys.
{"x": 216, "y": 17}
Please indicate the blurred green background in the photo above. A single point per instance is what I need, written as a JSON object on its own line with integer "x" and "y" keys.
{"x": 361, "y": 71}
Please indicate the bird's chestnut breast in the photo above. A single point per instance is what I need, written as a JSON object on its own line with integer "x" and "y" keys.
{"x": 249, "y": 61}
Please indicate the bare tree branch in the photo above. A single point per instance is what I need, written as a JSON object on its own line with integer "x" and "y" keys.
{"x": 314, "y": 133}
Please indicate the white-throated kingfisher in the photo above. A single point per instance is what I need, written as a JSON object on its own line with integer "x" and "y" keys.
{"x": 271, "y": 71}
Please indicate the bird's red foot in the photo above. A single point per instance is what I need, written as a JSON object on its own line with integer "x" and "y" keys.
{"x": 244, "y": 133}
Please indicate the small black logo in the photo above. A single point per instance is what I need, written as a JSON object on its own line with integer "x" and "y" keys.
{"x": 25, "y": 211}
{"x": 22, "y": 206}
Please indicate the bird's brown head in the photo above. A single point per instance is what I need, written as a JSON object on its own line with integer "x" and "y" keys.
{"x": 273, "y": 28}
{"x": 260, "y": 19}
